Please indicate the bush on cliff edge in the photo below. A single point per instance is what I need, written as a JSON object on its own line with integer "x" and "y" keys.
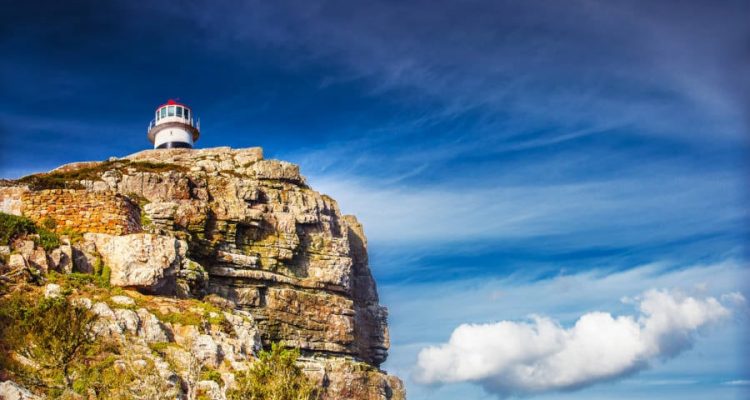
{"x": 274, "y": 376}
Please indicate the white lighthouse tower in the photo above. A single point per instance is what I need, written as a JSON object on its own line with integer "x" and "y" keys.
{"x": 173, "y": 127}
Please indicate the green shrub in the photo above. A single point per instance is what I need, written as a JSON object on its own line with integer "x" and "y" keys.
{"x": 49, "y": 224}
{"x": 69, "y": 360}
{"x": 69, "y": 179}
{"x": 182, "y": 318}
{"x": 145, "y": 220}
{"x": 73, "y": 235}
{"x": 50, "y": 181}
{"x": 160, "y": 347}
{"x": 53, "y": 333}
{"x": 47, "y": 239}
{"x": 12, "y": 227}
{"x": 275, "y": 375}
{"x": 122, "y": 377}
{"x": 210, "y": 374}
{"x": 80, "y": 281}
{"x": 105, "y": 276}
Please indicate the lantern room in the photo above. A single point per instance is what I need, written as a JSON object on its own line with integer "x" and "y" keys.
{"x": 173, "y": 126}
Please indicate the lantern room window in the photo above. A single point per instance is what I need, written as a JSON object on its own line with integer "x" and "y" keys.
{"x": 163, "y": 112}
{"x": 187, "y": 113}
{"x": 170, "y": 111}
{"x": 179, "y": 112}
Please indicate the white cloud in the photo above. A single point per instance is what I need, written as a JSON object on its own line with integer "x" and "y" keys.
{"x": 540, "y": 355}
{"x": 425, "y": 313}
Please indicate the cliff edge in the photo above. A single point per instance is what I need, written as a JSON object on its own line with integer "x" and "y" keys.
{"x": 221, "y": 224}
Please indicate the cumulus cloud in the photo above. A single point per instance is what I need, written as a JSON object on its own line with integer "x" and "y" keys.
{"x": 540, "y": 355}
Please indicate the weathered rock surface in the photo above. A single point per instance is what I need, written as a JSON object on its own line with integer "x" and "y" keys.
{"x": 228, "y": 223}
{"x": 345, "y": 379}
{"x": 142, "y": 260}
{"x": 11, "y": 391}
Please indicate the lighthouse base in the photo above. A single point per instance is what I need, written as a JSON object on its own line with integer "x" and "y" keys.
{"x": 174, "y": 145}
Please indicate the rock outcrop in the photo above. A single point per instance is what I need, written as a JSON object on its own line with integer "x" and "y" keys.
{"x": 143, "y": 261}
{"x": 227, "y": 223}
{"x": 12, "y": 391}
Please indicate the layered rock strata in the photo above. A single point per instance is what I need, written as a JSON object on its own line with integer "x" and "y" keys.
{"x": 231, "y": 224}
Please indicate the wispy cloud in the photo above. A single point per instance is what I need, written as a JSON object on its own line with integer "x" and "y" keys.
{"x": 739, "y": 382}
{"x": 628, "y": 210}
{"x": 577, "y": 65}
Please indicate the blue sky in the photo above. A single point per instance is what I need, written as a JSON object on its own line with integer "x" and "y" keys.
{"x": 507, "y": 158}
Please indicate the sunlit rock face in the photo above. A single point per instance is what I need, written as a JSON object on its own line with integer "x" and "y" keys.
{"x": 228, "y": 223}
{"x": 269, "y": 243}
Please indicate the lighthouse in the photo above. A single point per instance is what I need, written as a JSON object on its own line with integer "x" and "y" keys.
{"x": 173, "y": 126}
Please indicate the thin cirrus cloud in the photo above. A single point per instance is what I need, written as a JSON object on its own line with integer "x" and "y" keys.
{"x": 628, "y": 210}
{"x": 520, "y": 358}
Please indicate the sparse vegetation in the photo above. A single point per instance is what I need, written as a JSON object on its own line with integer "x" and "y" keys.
{"x": 50, "y": 346}
{"x": 210, "y": 374}
{"x": 48, "y": 239}
{"x": 275, "y": 375}
{"x": 148, "y": 166}
{"x": 52, "y": 335}
{"x": 82, "y": 282}
{"x": 145, "y": 220}
{"x": 72, "y": 179}
{"x": 73, "y": 235}
{"x": 198, "y": 314}
{"x": 13, "y": 227}
{"x": 161, "y": 347}
{"x": 122, "y": 377}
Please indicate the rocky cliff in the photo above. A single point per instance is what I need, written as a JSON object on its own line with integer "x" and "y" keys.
{"x": 226, "y": 225}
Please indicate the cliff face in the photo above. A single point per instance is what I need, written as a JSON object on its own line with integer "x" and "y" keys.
{"x": 227, "y": 223}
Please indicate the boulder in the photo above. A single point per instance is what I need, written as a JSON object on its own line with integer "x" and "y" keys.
{"x": 206, "y": 350}
{"x": 16, "y": 261}
{"x": 10, "y": 390}
{"x": 38, "y": 259}
{"x": 61, "y": 259}
{"x": 143, "y": 261}
{"x": 210, "y": 390}
{"x": 52, "y": 290}
{"x": 122, "y": 300}
{"x": 85, "y": 257}
{"x": 277, "y": 170}
{"x": 128, "y": 320}
{"x": 151, "y": 330}
{"x": 160, "y": 210}
{"x": 25, "y": 247}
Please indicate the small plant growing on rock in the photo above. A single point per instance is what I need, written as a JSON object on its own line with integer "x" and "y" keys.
{"x": 48, "y": 239}
{"x": 13, "y": 227}
{"x": 274, "y": 376}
